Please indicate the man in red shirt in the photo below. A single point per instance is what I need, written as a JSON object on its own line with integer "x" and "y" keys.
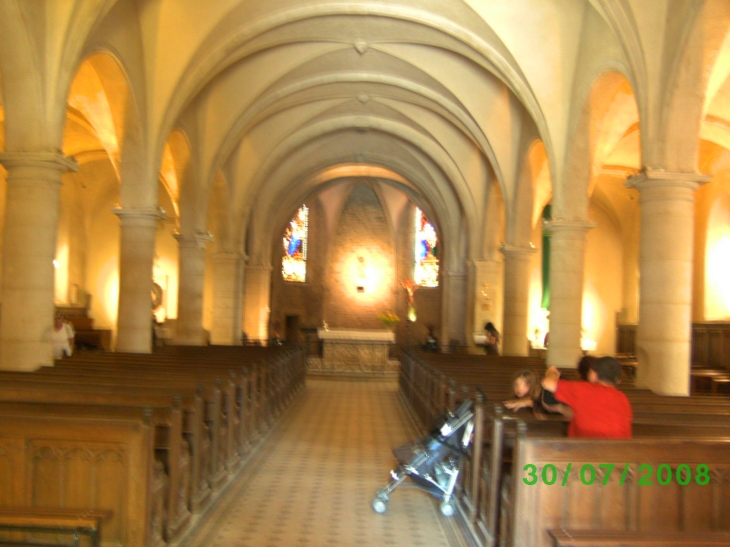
{"x": 599, "y": 409}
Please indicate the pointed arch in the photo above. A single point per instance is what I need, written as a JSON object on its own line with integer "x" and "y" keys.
{"x": 608, "y": 113}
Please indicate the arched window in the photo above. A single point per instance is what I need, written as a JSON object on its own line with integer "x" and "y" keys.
{"x": 426, "y": 271}
{"x": 294, "y": 262}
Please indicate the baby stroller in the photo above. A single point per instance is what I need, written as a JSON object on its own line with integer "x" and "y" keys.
{"x": 434, "y": 462}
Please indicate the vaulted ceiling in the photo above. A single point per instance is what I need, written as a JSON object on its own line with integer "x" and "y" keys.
{"x": 257, "y": 105}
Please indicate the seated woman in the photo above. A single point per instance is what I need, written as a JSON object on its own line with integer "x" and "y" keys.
{"x": 62, "y": 337}
{"x": 491, "y": 346}
{"x": 530, "y": 394}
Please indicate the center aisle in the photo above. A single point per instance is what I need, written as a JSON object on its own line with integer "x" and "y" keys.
{"x": 312, "y": 481}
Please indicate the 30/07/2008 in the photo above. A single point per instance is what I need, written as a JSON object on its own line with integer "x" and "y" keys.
{"x": 664, "y": 474}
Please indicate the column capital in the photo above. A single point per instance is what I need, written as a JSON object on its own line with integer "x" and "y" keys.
{"x": 518, "y": 252}
{"x": 198, "y": 239}
{"x": 657, "y": 179}
{"x": 44, "y": 160}
{"x": 455, "y": 273}
{"x": 556, "y": 225}
{"x": 229, "y": 256}
{"x": 140, "y": 216}
{"x": 259, "y": 267}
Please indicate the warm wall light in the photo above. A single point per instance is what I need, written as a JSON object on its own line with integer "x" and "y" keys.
{"x": 361, "y": 274}
{"x": 486, "y": 300}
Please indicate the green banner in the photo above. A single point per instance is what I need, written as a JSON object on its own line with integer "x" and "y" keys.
{"x": 545, "y": 304}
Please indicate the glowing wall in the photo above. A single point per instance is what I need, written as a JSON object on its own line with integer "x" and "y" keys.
{"x": 603, "y": 282}
{"x": 717, "y": 266}
{"x": 361, "y": 272}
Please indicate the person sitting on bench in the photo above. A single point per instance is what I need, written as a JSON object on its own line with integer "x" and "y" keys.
{"x": 599, "y": 409}
{"x": 526, "y": 387}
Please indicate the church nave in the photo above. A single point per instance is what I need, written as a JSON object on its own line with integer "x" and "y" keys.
{"x": 311, "y": 482}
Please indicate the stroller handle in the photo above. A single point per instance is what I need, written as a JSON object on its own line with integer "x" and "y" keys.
{"x": 463, "y": 408}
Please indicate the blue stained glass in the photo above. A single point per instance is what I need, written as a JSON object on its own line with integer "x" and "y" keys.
{"x": 422, "y": 251}
{"x": 294, "y": 261}
{"x": 294, "y": 245}
{"x": 426, "y": 269}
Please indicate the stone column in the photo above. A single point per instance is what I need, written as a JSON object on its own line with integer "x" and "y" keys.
{"x": 454, "y": 307}
{"x": 31, "y": 223}
{"x": 136, "y": 258}
{"x": 663, "y": 343}
{"x": 227, "y": 291}
{"x": 189, "y": 326}
{"x": 256, "y": 301}
{"x": 517, "y": 262}
{"x": 567, "y": 264}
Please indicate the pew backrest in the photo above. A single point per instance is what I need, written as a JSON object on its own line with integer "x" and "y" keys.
{"x": 666, "y": 485}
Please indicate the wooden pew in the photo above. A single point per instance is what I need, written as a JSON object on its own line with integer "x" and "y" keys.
{"x": 200, "y": 425}
{"x": 86, "y": 457}
{"x": 623, "y": 538}
{"x": 229, "y": 398}
{"x": 171, "y": 447}
{"x": 430, "y": 392}
{"x": 71, "y": 522}
{"x": 629, "y": 505}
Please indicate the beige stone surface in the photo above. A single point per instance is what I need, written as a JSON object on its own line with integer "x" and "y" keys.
{"x": 229, "y": 115}
{"x": 312, "y": 482}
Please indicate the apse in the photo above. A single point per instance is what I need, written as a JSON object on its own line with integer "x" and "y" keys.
{"x": 361, "y": 272}
{"x": 344, "y": 257}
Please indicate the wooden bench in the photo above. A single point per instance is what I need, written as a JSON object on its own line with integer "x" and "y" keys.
{"x": 223, "y": 403}
{"x": 431, "y": 392}
{"x": 622, "y": 538}
{"x": 171, "y": 446}
{"x": 72, "y": 522}
{"x": 702, "y": 380}
{"x": 624, "y": 502}
{"x": 88, "y": 457}
{"x": 201, "y": 419}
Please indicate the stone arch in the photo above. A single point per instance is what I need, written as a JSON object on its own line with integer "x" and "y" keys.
{"x": 219, "y": 220}
{"x": 124, "y": 119}
{"x": 677, "y": 125}
{"x": 417, "y": 141}
{"x": 101, "y": 118}
{"x": 458, "y": 116}
{"x": 533, "y": 191}
{"x": 717, "y": 81}
{"x": 214, "y": 56}
{"x": 609, "y": 103}
{"x": 24, "y": 100}
{"x": 179, "y": 181}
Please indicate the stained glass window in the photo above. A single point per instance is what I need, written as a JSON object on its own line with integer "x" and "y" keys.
{"x": 294, "y": 262}
{"x": 426, "y": 272}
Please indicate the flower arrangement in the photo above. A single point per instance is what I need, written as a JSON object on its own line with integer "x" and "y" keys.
{"x": 388, "y": 319}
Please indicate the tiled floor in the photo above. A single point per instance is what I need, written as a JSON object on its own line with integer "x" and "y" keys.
{"x": 312, "y": 482}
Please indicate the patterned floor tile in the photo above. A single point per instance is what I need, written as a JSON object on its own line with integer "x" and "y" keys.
{"x": 318, "y": 472}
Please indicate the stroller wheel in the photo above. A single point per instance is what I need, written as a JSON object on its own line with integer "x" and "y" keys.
{"x": 447, "y": 509}
{"x": 379, "y": 505}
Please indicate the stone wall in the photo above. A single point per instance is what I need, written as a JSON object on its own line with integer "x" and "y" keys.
{"x": 363, "y": 229}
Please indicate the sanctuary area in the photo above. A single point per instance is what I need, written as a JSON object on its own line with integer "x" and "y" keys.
{"x": 205, "y": 205}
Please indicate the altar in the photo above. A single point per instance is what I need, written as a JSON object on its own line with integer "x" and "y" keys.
{"x": 353, "y": 350}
